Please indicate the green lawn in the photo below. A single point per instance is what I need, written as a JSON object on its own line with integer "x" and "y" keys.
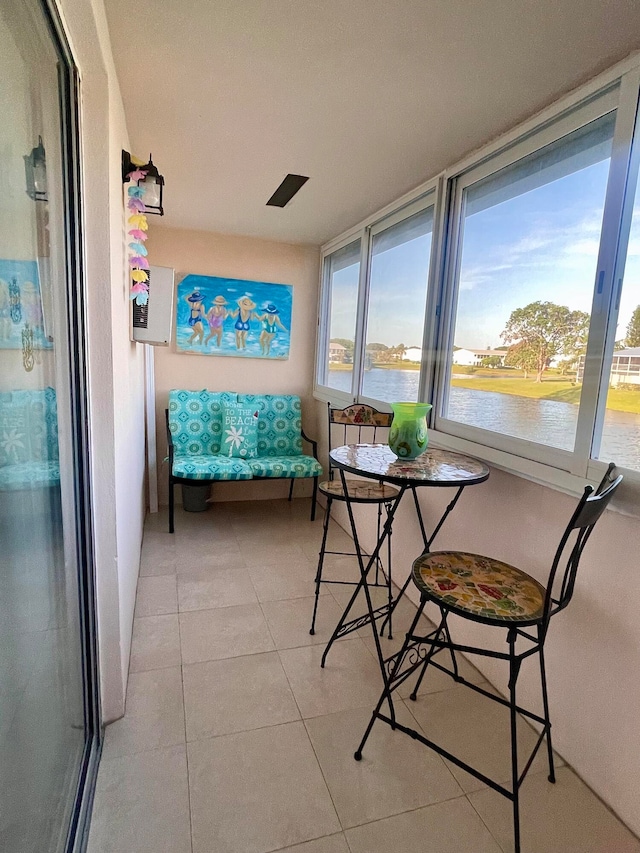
{"x": 553, "y": 386}
{"x": 556, "y": 388}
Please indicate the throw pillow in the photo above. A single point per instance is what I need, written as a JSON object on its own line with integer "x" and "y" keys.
{"x": 239, "y": 430}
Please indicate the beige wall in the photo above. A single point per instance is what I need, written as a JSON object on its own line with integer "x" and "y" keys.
{"x": 205, "y": 253}
{"x": 116, "y": 377}
{"x": 593, "y": 647}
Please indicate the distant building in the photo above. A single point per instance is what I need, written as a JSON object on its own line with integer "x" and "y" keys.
{"x": 413, "y": 354}
{"x": 337, "y": 352}
{"x": 625, "y": 367}
{"x": 474, "y": 357}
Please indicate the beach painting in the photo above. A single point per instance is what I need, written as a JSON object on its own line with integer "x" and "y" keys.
{"x": 228, "y": 316}
{"x": 21, "y": 306}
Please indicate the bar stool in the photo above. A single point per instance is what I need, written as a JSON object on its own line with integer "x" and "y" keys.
{"x": 491, "y": 592}
{"x": 356, "y": 423}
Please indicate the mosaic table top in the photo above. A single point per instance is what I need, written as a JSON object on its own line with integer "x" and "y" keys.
{"x": 433, "y": 468}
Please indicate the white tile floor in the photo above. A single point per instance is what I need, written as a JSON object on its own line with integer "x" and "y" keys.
{"x": 235, "y": 741}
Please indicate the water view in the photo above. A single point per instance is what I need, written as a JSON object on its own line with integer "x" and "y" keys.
{"x": 549, "y": 421}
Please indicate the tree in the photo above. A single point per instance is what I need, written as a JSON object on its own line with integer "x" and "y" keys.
{"x": 633, "y": 330}
{"x": 491, "y": 361}
{"x": 545, "y": 330}
{"x": 377, "y": 352}
{"x": 523, "y": 356}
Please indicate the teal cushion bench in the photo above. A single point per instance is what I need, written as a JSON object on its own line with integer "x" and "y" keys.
{"x": 195, "y": 439}
{"x": 28, "y": 440}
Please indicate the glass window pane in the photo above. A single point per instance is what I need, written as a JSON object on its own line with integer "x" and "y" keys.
{"x": 42, "y": 689}
{"x": 530, "y": 245}
{"x": 342, "y": 280}
{"x": 621, "y": 432}
{"x": 397, "y": 294}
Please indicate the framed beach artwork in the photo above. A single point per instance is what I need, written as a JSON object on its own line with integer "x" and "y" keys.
{"x": 21, "y": 306}
{"x": 228, "y": 316}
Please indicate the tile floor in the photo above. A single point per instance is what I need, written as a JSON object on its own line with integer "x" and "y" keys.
{"x": 236, "y": 741}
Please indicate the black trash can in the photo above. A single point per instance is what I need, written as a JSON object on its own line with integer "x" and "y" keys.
{"x": 194, "y": 498}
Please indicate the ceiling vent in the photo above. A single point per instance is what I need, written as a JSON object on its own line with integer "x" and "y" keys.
{"x": 287, "y": 189}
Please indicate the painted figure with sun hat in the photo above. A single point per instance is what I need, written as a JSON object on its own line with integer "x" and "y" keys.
{"x": 196, "y": 316}
{"x": 216, "y": 315}
{"x": 270, "y": 324}
{"x": 244, "y": 313}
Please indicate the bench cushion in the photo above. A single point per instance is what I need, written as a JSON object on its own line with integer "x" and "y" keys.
{"x": 28, "y": 439}
{"x": 209, "y": 467}
{"x": 29, "y": 475}
{"x": 279, "y": 423}
{"x": 195, "y": 421}
{"x": 285, "y": 466}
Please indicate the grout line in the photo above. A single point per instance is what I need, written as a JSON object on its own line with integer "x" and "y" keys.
{"x": 324, "y": 778}
{"x": 186, "y": 742}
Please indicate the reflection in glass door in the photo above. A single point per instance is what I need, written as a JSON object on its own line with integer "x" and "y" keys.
{"x": 47, "y": 702}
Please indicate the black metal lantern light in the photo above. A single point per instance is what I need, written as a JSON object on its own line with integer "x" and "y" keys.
{"x": 152, "y": 183}
{"x": 35, "y": 167}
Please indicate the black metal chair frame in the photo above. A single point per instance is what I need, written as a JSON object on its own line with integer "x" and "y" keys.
{"x": 418, "y": 652}
{"x": 372, "y": 431}
{"x": 345, "y": 625}
{"x": 185, "y": 481}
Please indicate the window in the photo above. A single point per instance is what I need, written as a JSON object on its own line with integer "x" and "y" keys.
{"x": 528, "y": 246}
{"x": 621, "y": 429}
{"x": 342, "y": 272}
{"x": 506, "y": 293}
{"x": 399, "y": 271}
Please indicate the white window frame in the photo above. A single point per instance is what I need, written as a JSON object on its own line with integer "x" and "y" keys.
{"x": 428, "y": 198}
{"x": 321, "y": 391}
{"x": 574, "y": 119}
{"x": 558, "y": 469}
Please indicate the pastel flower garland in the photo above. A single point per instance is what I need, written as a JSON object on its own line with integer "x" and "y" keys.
{"x": 138, "y": 227}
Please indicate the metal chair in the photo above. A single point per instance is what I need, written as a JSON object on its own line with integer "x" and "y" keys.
{"x": 494, "y": 593}
{"x": 356, "y": 423}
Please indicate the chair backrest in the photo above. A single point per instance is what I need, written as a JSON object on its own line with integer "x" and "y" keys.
{"x": 356, "y": 423}
{"x": 591, "y": 506}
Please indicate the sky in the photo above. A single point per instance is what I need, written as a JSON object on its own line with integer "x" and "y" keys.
{"x": 540, "y": 245}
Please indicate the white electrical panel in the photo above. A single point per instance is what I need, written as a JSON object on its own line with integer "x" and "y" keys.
{"x": 152, "y": 323}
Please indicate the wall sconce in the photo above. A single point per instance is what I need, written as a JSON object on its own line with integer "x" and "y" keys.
{"x": 35, "y": 167}
{"x": 152, "y": 183}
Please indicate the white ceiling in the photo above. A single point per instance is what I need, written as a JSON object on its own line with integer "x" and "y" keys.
{"x": 367, "y": 97}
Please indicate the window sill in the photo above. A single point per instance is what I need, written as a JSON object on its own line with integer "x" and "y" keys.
{"x": 626, "y": 502}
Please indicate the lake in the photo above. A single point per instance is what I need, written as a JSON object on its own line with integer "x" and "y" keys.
{"x": 544, "y": 421}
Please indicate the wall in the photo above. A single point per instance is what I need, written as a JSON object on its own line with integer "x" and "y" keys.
{"x": 205, "y": 253}
{"x": 116, "y": 382}
{"x": 593, "y": 647}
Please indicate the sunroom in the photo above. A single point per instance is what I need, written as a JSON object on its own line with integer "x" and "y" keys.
{"x": 462, "y": 233}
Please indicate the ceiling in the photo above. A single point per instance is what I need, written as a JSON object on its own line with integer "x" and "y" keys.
{"x": 367, "y": 97}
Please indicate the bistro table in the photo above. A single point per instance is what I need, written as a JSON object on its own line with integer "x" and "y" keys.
{"x": 435, "y": 468}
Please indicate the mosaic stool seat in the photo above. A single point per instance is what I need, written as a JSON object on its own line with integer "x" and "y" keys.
{"x": 364, "y": 491}
{"x": 472, "y": 585}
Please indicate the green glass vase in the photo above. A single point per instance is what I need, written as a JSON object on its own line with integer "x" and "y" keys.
{"x": 408, "y": 436}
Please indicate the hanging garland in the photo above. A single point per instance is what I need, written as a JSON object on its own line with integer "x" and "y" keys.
{"x": 138, "y": 227}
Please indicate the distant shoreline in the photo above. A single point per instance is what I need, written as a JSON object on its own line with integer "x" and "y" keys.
{"x": 553, "y": 387}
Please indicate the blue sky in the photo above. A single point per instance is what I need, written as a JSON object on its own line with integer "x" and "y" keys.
{"x": 541, "y": 245}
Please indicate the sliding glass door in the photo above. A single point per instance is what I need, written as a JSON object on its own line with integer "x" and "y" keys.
{"x": 47, "y": 684}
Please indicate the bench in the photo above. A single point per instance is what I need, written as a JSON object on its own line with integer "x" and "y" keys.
{"x": 199, "y": 451}
{"x": 28, "y": 440}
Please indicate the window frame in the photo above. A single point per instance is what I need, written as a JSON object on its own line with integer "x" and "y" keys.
{"x": 617, "y": 88}
{"x": 320, "y": 390}
{"x": 576, "y": 117}
{"x": 427, "y": 199}
{"x": 426, "y": 195}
